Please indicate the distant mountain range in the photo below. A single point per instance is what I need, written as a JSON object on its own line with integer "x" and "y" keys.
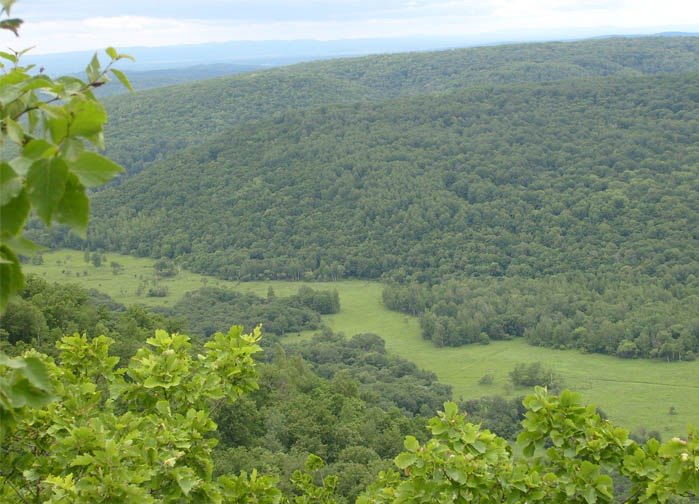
{"x": 284, "y": 52}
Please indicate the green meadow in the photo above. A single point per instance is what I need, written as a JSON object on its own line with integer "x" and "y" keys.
{"x": 634, "y": 393}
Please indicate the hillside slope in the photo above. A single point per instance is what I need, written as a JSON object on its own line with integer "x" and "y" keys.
{"x": 595, "y": 175}
{"x": 151, "y": 125}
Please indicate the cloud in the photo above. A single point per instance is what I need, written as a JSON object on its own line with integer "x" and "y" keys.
{"x": 59, "y": 26}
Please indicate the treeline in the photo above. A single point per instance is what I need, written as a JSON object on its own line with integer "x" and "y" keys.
{"x": 384, "y": 379}
{"x": 208, "y": 309}
{"x": 592, "y": 175}
{"x": 44, "y": 312}
{"x": 629, "y": 318}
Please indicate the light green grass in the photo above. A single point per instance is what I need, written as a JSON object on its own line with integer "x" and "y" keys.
{"x": 633, "y": 393}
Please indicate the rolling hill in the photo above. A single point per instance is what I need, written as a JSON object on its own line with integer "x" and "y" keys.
{"x": 596, "y": 175}
{"x": 155, "y": 124}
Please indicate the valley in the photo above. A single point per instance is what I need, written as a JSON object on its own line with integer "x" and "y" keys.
{"x": 635, "y": 393}
{"x": 512, "y": 227}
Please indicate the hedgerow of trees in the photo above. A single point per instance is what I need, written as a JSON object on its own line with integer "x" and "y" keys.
{"x": 628, "y": 318}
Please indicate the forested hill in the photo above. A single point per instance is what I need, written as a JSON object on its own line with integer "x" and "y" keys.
{"x": 154, "y": 124}
{"x": 594, "y": 175}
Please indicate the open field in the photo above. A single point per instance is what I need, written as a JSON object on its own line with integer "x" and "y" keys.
{"x": 632, "y": 392}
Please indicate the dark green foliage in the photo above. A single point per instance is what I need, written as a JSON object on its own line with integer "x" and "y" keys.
{"x": 497, "y": 414}
{"x": 141, "y": 128}
{"x": 533, "y": 375}
{"x": 96, "y": 259}
{"x": 635, "y": 317}
{"x": 332, "y": 397}
{"x": 157, "y": 291}
{"x": 384, "y": 379}
{"x": 525, "y": 180}
{"x": 324, "y": 302}
{"x": 208, "y": 309}
{"x": 44, "y": 312}
{"x": 165, "y": 268}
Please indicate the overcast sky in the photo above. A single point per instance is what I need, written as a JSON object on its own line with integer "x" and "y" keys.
{"x": 69, "y": 25}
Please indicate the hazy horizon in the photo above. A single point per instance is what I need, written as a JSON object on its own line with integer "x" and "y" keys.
{"x": 52, "y": 26}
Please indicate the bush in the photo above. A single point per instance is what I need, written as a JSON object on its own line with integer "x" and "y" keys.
{"x": 486, "y": 379}
{"x": 533, "y": 375}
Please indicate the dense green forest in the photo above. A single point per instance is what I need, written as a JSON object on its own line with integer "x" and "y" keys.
{"x": 219, "y": 428}
{"x": 344, "y": 399}
{"x": 147, "y": 127}
{"x": 628, "y": 318}
{"x": 565, "y": 171}
{"x": 593, "y": 175}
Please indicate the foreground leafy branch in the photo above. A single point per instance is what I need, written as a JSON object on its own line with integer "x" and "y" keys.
{"x": 142, "y": 432}
{"x": 145, "y": 433}
{"x": 49, "y": 129}
{"x": 568, "y": 454}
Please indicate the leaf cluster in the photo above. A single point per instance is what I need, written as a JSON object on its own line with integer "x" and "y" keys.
{"x": 123, "y": 434}
{"x": 567, "y": 453}
{"x": 51, "y": 127}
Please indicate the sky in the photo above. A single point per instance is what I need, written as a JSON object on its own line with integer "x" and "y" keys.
{"x": 79, "y": 25}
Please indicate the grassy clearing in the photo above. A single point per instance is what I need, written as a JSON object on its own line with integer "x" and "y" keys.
{"x": 633, "y": 393}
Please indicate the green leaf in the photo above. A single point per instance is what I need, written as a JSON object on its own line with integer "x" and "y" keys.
{"x": 12, "y": 25}
{"x": 112, "y": 53}
{"x": 88, "y": 117}
{"x": 123, "y": 79}
{"x": 23, "y": 393}
{"x": 10, "y": 184}
{"x": 93, "y": 69}
{"x": 94, "y": 169}
{"x": 46, "y": 184}
{"x": 38, "y": 148}
{"x": 313, "y": 463}
{"x": 82, "y": 460}
{"x": 11, "y": 277}
{"x": 14, "y": 131}
{"x": 37, "y": 374}
{"x": 10, "y": 92}
{"x": 411, "y": 443}
{"x": 186, "y": 479}
{"x": 14, "y": 215}
{"x": 23, "y": 246}
{"x": 528, "y": 450}
{"x": 58, "y": 127}
{"x": 70, "y": 86}
{"x": 450, "y": 409}
{"x": 590, "y": 495}
{"x": 12, "y": 363}
{"x": 8, "y": 56}
{"x": 404, "y": 460}
{"x": 74, "y": 207}
{"x": 72, "y": 148}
